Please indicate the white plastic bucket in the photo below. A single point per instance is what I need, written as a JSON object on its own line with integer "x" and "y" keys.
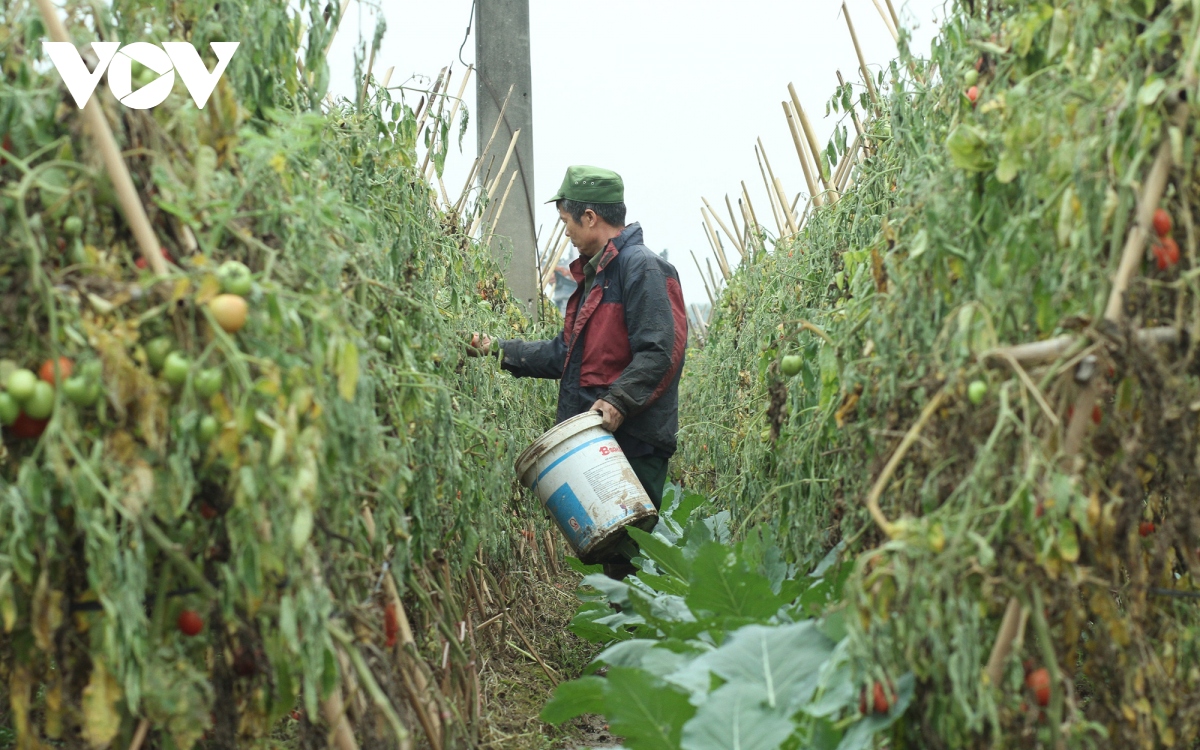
{"x": 582, "y": 477}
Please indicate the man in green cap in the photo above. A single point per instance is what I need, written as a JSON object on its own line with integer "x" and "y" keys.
{"x": 625, "y": 330}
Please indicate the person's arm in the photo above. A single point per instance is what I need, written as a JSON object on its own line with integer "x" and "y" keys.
{"x": 533, "y": 359}
{"x": 657, "y": 326}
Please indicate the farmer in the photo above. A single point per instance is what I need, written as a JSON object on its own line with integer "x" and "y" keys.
{"x": 621, "y": 349}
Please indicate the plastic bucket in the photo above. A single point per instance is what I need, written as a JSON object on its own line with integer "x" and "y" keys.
{"x": 588, "y": 487}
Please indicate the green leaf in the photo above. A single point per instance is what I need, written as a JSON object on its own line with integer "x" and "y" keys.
{"x": 645, "y": 710}
{"x": 668, "y": 558}
{"x": 785, "y": 660}
{"x": 347, "y": 371}
{"x": 584, "y": 570}
{"x": 968, "y": 147}
{"x": 735, "y": 717}
{"x": 582, "y": 696}
{"x": 720, "y": 584}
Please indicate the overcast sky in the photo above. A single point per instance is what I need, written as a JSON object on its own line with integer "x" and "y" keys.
{"x": 670, "y": 94}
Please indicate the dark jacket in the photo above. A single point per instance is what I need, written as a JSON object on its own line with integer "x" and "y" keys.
{"x": 624, "y": 343}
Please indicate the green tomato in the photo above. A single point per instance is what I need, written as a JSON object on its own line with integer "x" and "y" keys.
{"x": 976, "y": 391}
{"x": 21, "y": 384}
{"x": 41, "y": 403}
{"x": 208, "y": 382}
{"x": 971, "y": 77}
{"x": 73, "y": 226}
{"x": 157, "y": 351}
{"x": 81, "y": 391}
{"x": 235, "y": 278}
{"x": 92, "y": 370}
{"x": 791, "y": 365}
{"x": 9, "y": 409}
{"x": 175, "y": 368}
{"x": 383, "y": 344}
{"x": 208, "y": 428}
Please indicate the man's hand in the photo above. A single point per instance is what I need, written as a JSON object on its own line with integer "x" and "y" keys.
{"x": 612, "y": 416}
{"x": 480, "y": 345}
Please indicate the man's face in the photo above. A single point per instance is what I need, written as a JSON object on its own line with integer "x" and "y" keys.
{"x": 583, "y": 234}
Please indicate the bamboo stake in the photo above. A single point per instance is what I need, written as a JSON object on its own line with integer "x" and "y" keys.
{"x": 770, "y": 193}
{"x": 387, "y": 77}
{"x": 562, "y": 246}
{"x": 779, "y": 191}
{"x": 700, "y": 270}
{"x": 732, "y": 235}
{"x": 334, "y": 711}
{"x": 453, "y": 110}
{"x": 551, "y": 245}
{"x": 909, "y": 438}
{"x": 741, "y": 245}
{"x": 1135, "y": 241}
{"x": 1004, "y": 640}
{"x": 887, "y": 21}
{"x": 802, "y": 152}
{"x": 433, "y": 92}
{"x": 749, "y": 205}
{"x": 491, "y": 189}
{"x": 139, "y": 736}
{"x": 858, "y": 128}
{"x": 500, "y": 210}
{"x": 809, "y": 135}
{"x": 718, "y": 249}
{"x": 367, "y": 78}
{"x": 892, "y": 11}
{"x": 789, "y": 214}
{"x": 479, "y": 159}
{"x": 862, "y": 61}
{"x": 712, "y": 276}
{"x": 114, "y": 163}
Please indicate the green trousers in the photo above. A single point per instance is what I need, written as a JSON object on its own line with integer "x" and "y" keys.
{"x": 652, "y": 474}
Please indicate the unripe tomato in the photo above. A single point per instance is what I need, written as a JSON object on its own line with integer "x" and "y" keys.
{"x": 790, "y": 366}
{"x": 235, "y": 278}
{"x": 21, "y": 384}
{"x": 73, "y": 226}
{"x": 92, "y": 370}
{"x": 41, "y": 403}
{"x": 190, "y": 623}
{"x": 157, "y": 351}
{"x": 230, "y": 311}
{"x": 65, "y": 368}
{"x": 9, "y": 409}
{"x": 976, "y": 391}
{"x": 1162, "y": 222}
{"x": 175, "y": 368}
{"x": 81, "y": 391}
{"x": 1039, "y": 682}
{"x": 383, "y": 344}
{"x": 971, "y": 77}
{"x": 208, "y": 382}
{"x": 207, "y": 430}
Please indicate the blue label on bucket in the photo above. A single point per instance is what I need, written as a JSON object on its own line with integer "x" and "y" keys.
{"x": 568, "y": 512}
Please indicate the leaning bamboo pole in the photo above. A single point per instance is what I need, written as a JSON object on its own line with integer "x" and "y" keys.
{"x": 102, "y": 137}
{"x": 741, "y": 245}
{"x": 862, "y": 61}
{"x": 892, "y": 12}
{"x": 802, "y": 152}
{"x": 700, "y": 270}
{"x": 887, "y": 21}
{"x": 718, "y": 249}
{"x": 499, "y": 209}
{"x": 779, "y": 191}
{"x": 442, "y": 79}
{"x": 474, "y": 171}
{"x": 548, "y": 274}
{"x": 810, "y": 135}
{"x": 750, "y": 206}
{"x": 854, "y": 115}
{"x": 712, "y": 276}
{"x": 453, "y": 111}
{"x": 512, "y": 145}
{"x": 770, "y": 193}
{"x": 732, "y": 235}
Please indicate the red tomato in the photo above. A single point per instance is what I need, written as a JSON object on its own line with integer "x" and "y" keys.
{"x": 881, "y": 700}
{"x": 1039, "y": 682}
{"x": 65, "y": 367}
{"x": 979, "y": 64}
{"x": 391, "y": 624}
{"x": 1146, "y": 528}
{"x": 207, "y": 511}
{"x": 1162, "y": 222}
{"x": 28, "y": 427}
{"x": 1097, "y": 414}
{"x": 140, "y": 263}
{"x": 1160, "y": 256}
{"x": 1039, "y": 510}
{"x": 973, "y": 94}
{"x": 1172, "y": 250}
{"x": 190, "y": 623}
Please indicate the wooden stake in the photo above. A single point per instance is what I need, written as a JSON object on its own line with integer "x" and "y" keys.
{"x": 770, "y": 193}
{"x": 453, "y": 110}
{"x": 887, "y": 22}
{"x": 479, "y": 159}
{"x": 491, "y": 189}
{"x": 809, "y": 135}
{"x": 712, "y": 276}
{"x": 802, "y": 152}
{"x": 858, "y": 128}
{"x": 732, "y": 235}
{"x": 779, "y": 191}
{"x": 700, "y": 270}
{"x": 749, "y": 205}
{"x": 387, "y": 77}
{"x": 892, "y": 12}
{"x": 910, "y": 437}
{"x": 1135, "y": 241}
{"x": 500, "y": 210}
{"x": 102, "y": 137}
{"x": 718, "y": 250}
{"x": 334, "y": 711}
{"x": 1004, "y": 639}
{"x": 433, "y": 92}
{"x": 741, "y": 245}
{"x": 862, "y": 61}
{"x": 558, "y": 253}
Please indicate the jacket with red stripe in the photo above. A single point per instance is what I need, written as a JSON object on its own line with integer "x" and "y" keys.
{"x": 625, "y": 344}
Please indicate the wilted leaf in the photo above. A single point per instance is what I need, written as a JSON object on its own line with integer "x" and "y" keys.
{"x": 47, "y": 612}
{"x": 347, "y": 370}
{"x": 101, "y": 722}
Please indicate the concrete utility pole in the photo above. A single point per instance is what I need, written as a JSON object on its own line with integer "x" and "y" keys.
{"x": 502, "y": 59}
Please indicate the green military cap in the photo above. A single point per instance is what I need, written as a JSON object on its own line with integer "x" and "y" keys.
{"x": 591, "y": 185}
